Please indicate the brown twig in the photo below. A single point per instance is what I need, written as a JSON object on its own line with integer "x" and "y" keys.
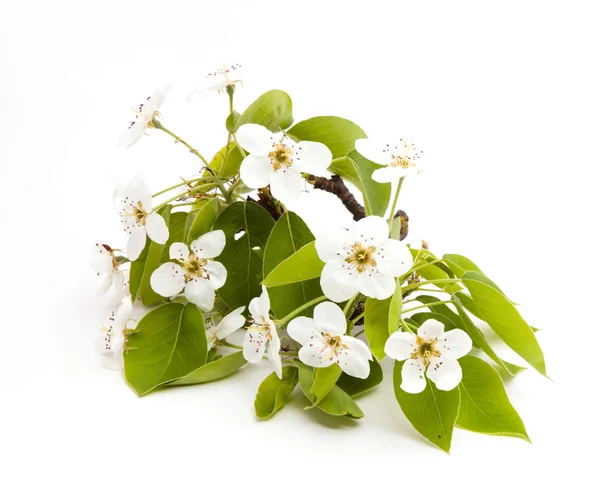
{"x": 336, "y": 186}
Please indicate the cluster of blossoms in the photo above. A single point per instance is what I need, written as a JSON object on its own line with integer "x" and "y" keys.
{"x": 211, "y": 255}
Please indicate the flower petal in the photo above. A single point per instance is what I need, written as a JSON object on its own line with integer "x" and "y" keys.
{"x": 135, "y": 131}
{"x": 313, "y": 157}
{"x": 393, "y": 258}
{"x": 338, "y": 281}
{"x": 333, "y": 244}
{"x": 316, "y": 354}
{"x": 329, "y": 318}
{"x": 388, "y": 174}
{"x": 286, "y": 185}
{"x": 179, "y": 251}
{"x": 431, "y": 329}
{"x": 217, "y": 274}
{"x": 156, "y": 100}
{"x": 301, "y": 329}
{"x": 355, "y": 360}
{"x": 209, "y": 245}
{"x": 118, "y": 280}
{"x": 167, "y": 279}
{"x": 256, "y": 170}
{"x": 137, "y": 191}
{"x": 413, "y": 376}
{"x": 446, "y": 373}
{"x": 157, "y": 228}
{"x": 372, "y": 231}
{"x": 260, "y": 306}
{"x": 136, "y": 243}
{"x": 107, "y": 281}
{"x": 400, "y": 345}
{"x": 255, "y": 139}
{"x": 376, "y": 285}
{"x": 273, "y": 353}
{"x": 254, "y": 345}
{"x": 102, "y": 260}
{"x": 232, "y": 322}
{"x": 201, "y": 293}
{"x": 455, "y": 344}
{"x": 373, "y": 150}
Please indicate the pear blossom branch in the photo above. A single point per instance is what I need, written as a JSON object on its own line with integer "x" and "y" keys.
{"x": 336, "y": 186}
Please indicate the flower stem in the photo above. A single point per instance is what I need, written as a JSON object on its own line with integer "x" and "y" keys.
{"x": 184, "y": 183}
{"x": 230, "y": 345}
{"x": 349, "y": 304}
{"x": 191, "y": 191}
{"x": 281, "y": 323}
{"x": 434, "y": 281}
{"x": 158, "y": 125}
{"x": 396, "y": 196}
{"x": 435, "y": 303}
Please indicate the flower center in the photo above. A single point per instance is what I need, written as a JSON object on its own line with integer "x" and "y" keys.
{"x": 361, "y": 256}
{"x": 281, "y": 156}
{"x": 403, "y": 160}
{"x": 426, "y": 350}
{"x": 139, "y": 213}
{"x": 334, "y": 343}
{"x": 194, "y": 268}
{"x": 261, "y": 325}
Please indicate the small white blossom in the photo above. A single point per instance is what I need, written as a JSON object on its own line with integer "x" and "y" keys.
{"x": 105, "y": 263}
{"x": 325, "y": 342}
{"x": 114, "y": 334}
{"x": 278, "y": 161}
{"x": 195, "y": 271}
{"x": 399, "y": 157}
{"x": 218, "y": 81}
{"x": 230, "y": 323}
{"x": 361, "y": 258}
{"x": 261, "y": 331}
{"x": 142, "y": 117}
{"x": 431, "y": 352}
{"x": 134, "y": 203}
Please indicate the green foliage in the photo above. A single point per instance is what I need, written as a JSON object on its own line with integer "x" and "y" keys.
{"x": 204, "y": 219}
{"x": 273, "y": 392}
{"x": 219, "y": 367}
{"x": 337, "y": 402}
{"x": 381, "y": 319}
{"x": 505, "y": 320}
{"x": 357, "y": 386}
{"x": 232, "y": 121}
{"x": 303, "y": 265}
{"x": 243, "y": 257}
{"x": 484, "y": 405}
{"x": 288, "y": 236}
{"x": 437, "y": 271}
{"x": 432, "y": 412}
{"x": 169, "y": 343}
{"x": 324, "y": 380}
{"x": 273, "y": 110}
{"x": 226, "y": 163}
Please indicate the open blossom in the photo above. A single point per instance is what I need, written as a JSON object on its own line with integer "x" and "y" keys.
{"x": 230, "y": 323}
{"x": 218, "y": 81}
{"x": 325, "y": 342}
{"x": 193, "y": 270}
{"x": 361, "y": 258}
{"x": 278, "y": 161}
{"x": 142, "y": 117}
{"x": 260, "y": 332}
{"x": 114, "y": 333}
{"x": 431, "y": 352}
{"x": 399, "y": 157}
{"x": 134, "y": 203}
{"x": 105, "y": 263}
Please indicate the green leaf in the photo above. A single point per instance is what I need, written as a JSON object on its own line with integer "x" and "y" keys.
{"x": 204, "y": 219}
{"x": 395, "y": 309}
{"x": 435, "y": 271}
{"x": 215, "y": 370}
{"x": 226, "y": 163}
{"x": 288, "y": 236}
{"x": 336, "y": 402}
{"x": 324, "y": 380}
{"x": 243, "y": 257}
{"x": 377, "y": 325}
{"x": 232, "y": 121}
{"x": 484, "y": 405}
{"x": 441, "y": 309}
{"x": 358, "y": 170}
{"x": 273, "y": 110}
{"x": 169, "y": 343}
{"x": 466, "y": 324}
{"x": 273, "y": 392}
{"x": 335, "y": 132}
{"x": 303, "y": 265}
{"x": 419, "y": 318}
{"x": 432, "y": 412}
{"x": 357, "y": 386}
{"x": 505, "y": 320}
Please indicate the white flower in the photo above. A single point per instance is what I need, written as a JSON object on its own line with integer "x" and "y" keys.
{"x": 142, "y": 117}
{"x": 361, "y": 258}
{"x": 230, "y": 323}
{"x": 399, "y": 158}
{"x": 114, "y": 334}
{"x": 218, "y": 81}
{"x": 193, "y": 270}
{"x": 325, "y": 342}
{"x": 134, "y": 203}
{"x": 430, "y": 351}
{"x": 261, "y": 331}
{"x": 105, "y": 263}
{"x": 277, "y": 160}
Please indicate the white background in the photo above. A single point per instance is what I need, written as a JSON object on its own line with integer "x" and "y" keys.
{"x": 503, "y": 98}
